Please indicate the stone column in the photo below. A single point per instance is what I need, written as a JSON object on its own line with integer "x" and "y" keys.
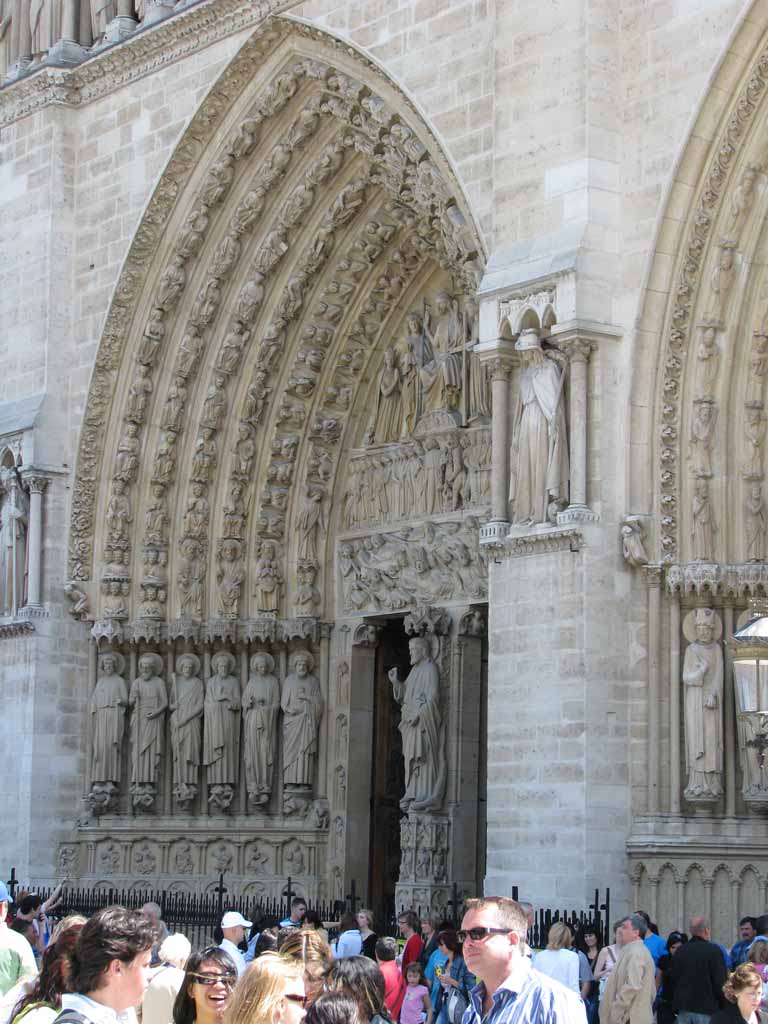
{"x": 21, "y": 41}
{"x": 499, "y": 357}
{"x": 674, "y": 704}
{"x": 578, "y": 350}
{"x": 68, "y": 49}
{"x": 729, "y": 717}
{"x": 577, "y": 338}
{"x": 123, "y": 25}
{"x": 37, "y": 485}
{"x": 324, "y": 783}
{"x": 654, "y": 575}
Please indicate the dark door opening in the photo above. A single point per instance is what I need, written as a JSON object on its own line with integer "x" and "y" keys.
{"x": 387, "y": 770}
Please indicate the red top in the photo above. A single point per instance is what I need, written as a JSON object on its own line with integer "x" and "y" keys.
{"x": 412, "y": 951}
{"x": 394, "y": 987}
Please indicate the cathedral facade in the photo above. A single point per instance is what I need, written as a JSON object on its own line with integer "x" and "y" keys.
{"x": 382, "y": 447}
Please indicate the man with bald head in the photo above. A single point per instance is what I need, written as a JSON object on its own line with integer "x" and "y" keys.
{"x": 697, "y": 976}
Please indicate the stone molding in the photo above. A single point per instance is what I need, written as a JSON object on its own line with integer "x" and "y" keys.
{"x": 454, "y": 251}
{"x": 677, "y": 345}
{"x": 541, "y": 541}
{"x": 143, "y": 53}
{"x": 14, "y": 628}
{"x": 208, "y": 631}
{"x": 740, "y": 581}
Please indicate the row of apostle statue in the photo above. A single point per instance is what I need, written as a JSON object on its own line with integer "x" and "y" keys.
{"x": 204, "y": 722}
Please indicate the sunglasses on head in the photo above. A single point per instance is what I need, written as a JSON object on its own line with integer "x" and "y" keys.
{"x": 295, "y": 998}
{"x": 227, "y": 978}
{"x": 478, "y": 934}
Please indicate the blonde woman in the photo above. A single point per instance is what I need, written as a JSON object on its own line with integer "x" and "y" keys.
{"x": 270, "y": 992}
{"x": 367, "y": 934}
{"x": 309, "y": 949}
{"x": 558, "y": 960}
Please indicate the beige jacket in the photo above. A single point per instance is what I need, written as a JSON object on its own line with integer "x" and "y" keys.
{"x": 631, "y": 988}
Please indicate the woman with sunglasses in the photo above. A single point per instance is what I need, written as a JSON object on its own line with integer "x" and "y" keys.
{"x": 270, "y": 992}
{"x": 207, "y": 987}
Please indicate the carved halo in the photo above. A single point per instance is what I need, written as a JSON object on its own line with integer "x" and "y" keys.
{"x": 268, "y": 658}
{"x": 299, "y": 655}
{"x": 118, "y": 659}
{"x": 230, "y": 661}
{"x": 689, "y": 626}
{"x": 157, "y": 661}
{"x": 189, "y": 657}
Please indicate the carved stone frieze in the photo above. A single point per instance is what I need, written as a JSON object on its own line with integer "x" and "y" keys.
{"x": 415, "y": 565}
{"x": 741, "y": 581}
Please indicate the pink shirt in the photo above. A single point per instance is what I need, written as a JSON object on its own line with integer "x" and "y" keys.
{"x": 412, "y": 1010}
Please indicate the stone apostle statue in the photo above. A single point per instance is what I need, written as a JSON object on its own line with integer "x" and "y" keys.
{"x": 221, "y": 735}
{"x": 302, "y": 705}
{"x": 388, "y": 415}
{"x": 421, "y": 729}
{"x": 148, "y": 701}
{"x": 261, "y": 704}
{"x": 703, "y": 681}
{"x": 539, "y": 457}
{"x": 187, "y": 699}
{"x": 108, "y": 703}
{"x": 440, "y": 373}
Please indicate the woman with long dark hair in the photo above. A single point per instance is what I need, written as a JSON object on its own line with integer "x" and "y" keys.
{"x": 204, "y": 995}
{"x": 41, "y": 1003}
{"x": 455, "y": 981}
{"x": 360, "y": 978}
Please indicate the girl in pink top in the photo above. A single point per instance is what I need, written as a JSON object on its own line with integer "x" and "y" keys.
{"x": 417, "y": 1006}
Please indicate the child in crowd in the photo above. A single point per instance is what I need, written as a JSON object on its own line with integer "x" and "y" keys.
{"x": 417, "y": 1006}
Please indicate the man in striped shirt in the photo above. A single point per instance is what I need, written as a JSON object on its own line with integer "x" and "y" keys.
{"x": 509, "y": 990}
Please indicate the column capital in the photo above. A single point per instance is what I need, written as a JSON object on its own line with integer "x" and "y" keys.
{"x": 653, "y": 573}
{"x": 35, "y": 480}
{"x": 499, "y": 356}
{"x": 577, "y": 333}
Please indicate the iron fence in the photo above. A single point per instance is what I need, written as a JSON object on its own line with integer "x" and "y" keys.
{"x": 197, "y": 915}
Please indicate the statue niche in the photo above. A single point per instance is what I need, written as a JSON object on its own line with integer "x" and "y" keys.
{"x": 109, "y": 701}
{"x": 148, "y": 702}
{"x": 539, "y": 462}
{"x": 187, "y": 700}
{"x": 421, "y": 727}
{"x": 14, "y": 523}
{"x": 221, "y": 734}
{"x": 703, "y": 682}
{"x": 302, "y": 706}
{"x": 261, "y": 705}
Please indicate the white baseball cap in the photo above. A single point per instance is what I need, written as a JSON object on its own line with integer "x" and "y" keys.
{"x": 232, "y": 919}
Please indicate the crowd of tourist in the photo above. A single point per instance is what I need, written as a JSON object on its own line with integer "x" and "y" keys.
{"x": 121, "y": 967}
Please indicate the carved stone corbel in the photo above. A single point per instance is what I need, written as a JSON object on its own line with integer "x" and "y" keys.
{"x": 426, "y": 620}
{"x": 473, "y": 623}
{"x": 366, "y": 635}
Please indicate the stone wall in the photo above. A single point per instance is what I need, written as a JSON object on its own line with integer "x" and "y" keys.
{"x": 564, "y": 135}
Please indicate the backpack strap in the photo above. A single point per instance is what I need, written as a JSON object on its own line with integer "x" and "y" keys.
{"x": 71, "y": 1017}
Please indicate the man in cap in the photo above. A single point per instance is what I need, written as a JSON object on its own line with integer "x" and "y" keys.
{"x": 233, "y": 926}
{"x": 17, "y": 960}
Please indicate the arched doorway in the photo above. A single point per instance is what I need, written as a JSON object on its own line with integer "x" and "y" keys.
{"x": 285, "y": 443}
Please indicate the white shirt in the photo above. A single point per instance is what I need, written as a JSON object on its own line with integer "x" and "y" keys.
{"x": 560, "y": 964}
{"x": 349, "y": 943}
{"x": 98, "y": 1013}
{"x": 229, "y": 947}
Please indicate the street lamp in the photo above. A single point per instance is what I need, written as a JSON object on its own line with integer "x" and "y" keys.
{"x": 749, "y": 648}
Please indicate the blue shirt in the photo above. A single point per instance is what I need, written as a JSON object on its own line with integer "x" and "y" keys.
{"x": 437, "y": 959}
{"x": 526, "y": 997}
{"x": 656, "y": 946}
{"x": 739, "y": 951}
{"x": 726, "y": 956}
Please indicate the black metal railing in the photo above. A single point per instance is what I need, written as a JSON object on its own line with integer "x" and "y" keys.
{"x": 197, "y": 915}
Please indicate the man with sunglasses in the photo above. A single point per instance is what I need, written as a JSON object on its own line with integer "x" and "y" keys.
{"x": 509, "y": 990}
